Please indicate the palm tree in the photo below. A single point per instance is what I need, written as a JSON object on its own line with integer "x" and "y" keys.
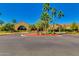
{"x": 45, "y": 20}
{"x": 38, "y": 26}
{"x": 32, "y": 27}
{"x": 46, "y": 7}
{"x": 60, "y": 15}
{"x": 53, "y": 11}
{"x": 45, "y": 16}
{"x": 56, "y": 14}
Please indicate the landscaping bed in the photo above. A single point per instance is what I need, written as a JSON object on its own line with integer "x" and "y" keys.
{"x": 35, "y": 34}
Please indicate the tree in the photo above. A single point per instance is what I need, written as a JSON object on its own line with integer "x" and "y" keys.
{"x": 56, "y": 15}
{"x": 14, "y": 21}
{"x": 45, "y": 20}
{"x": 74, "y": 26}
{"x": 1, "y": 22}
{"x": 9, "y": 27}
{"x": 53, "y": 12}
{"x": 60, "y": 14}
{"x": 39, "y": 25}
{"x": 45, "y": 17}
{"x": 46, "y": 7}
{"x": 32, "y": 27}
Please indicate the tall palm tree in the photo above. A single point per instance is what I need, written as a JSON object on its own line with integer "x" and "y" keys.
{"x": 56, "y": 14}
{"x": 45, "y": 16}
{"x": 53, "y": 12}
{"x": 32, "y": 27}
{"x": 39, "y": 25}
{"x": 46, "y": 7}
{"x": 60, "y": 15}
{"x": 45, "y": 20}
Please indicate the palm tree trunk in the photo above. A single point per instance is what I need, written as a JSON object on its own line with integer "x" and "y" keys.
{"x": 45, "y": 30}
{"x": 53, "y": 26}
{"x": 59, "y": 30}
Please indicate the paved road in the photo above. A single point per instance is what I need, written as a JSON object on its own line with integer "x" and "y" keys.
{"x": 16, "y": 45}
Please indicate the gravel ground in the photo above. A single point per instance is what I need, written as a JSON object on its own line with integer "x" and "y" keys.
{"x": 17, "y": 45}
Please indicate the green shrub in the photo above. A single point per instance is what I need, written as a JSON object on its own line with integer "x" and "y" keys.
{"x": 50, "y": 31}
{"x": 8, "y": 27}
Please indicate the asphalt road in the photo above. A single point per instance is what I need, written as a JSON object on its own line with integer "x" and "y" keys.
{"x": 17, "y": 45}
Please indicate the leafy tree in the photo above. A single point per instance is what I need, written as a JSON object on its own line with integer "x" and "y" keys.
{"x": 74, "y": 26}
{"x": 9, "y": 27}
{"x": 32, "y": 27}
{"x": 40, "y": 26}
{"x": 1, "y": 22}
{"x": 14, "y": 21}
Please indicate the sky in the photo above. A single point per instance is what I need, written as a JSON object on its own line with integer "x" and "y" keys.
{"x": 30, "y": 12}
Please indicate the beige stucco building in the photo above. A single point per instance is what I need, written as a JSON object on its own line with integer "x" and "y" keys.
{"x": 21, "y": 24}
{"x": 66, "y": 26}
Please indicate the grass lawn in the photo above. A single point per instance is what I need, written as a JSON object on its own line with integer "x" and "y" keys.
{"x": 73, "y": 33}
{"x": 6, "y": 33}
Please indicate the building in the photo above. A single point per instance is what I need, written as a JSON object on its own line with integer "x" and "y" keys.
{"x": 21, "y": 26}
{"x": 25, "y": 26}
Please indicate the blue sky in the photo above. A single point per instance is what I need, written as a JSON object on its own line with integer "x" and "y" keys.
{"x": 30, "y": 12}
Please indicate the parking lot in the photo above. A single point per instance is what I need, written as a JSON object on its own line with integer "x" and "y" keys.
{"x": 17, "y": 45}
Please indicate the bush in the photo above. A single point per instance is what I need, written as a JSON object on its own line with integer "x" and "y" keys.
{"x": 68, "y": 30}
{"x": 50, "y": 31}
{"x": 8, "y": 27}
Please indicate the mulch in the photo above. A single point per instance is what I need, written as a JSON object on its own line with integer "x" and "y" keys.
{"x": 34, "y": 34}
